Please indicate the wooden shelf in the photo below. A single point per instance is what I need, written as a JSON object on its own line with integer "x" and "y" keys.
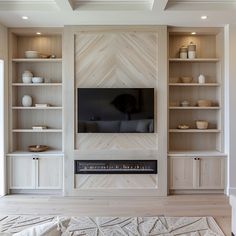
{"x": 36, "y": 60}
{"x": 194, "y": 130}
{"x": 207, "y": 153}
{"x": 37, "y": 108}
{"x": 194, "y": 108}
{"x": 194, "y": 84}
{"x": 56, "y": 153}
{"x": 194, "y": 60}
{"x": 37, "y": 131}
{"x": 36, "y": 84}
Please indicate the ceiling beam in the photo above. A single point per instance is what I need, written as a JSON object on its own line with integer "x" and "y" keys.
{"x": 65, "y": 5}
{"x": 160, "y": 5}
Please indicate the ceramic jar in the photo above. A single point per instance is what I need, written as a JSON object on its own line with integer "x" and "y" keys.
{"x": 192, "y": 50}
{"x": 201, "y": 79}
{"x": 27, "y": 101}
{"x": 27, "y": 77}
{"x": 183, "y": 52}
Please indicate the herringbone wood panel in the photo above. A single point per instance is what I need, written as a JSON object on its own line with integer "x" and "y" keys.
{"x": 116, "y": 59}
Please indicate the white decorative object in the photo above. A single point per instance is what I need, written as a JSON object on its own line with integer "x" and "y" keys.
{"x": 185, "y": 103}
{"x": 27, "y": 77}
{"x": 42, "y": 105}
{"x": 202, "y": 124}
{"x": 201, "y": 79}
{"x": 31, "y": 54}
{"x": 37, "y": 80}
{"x": 192, "y": 50}
{"x": 27, "y": 101}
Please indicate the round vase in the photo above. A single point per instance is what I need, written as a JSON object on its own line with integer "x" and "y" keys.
{"x": 27, "y": 77}
{"x": 27, "y": 101}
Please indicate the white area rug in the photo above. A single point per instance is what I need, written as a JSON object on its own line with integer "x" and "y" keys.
{"x": 108, "y": 226}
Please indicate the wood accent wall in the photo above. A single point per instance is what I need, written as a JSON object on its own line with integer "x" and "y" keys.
{"x": 112, "y": 57}
{"x": 114, "y": 60}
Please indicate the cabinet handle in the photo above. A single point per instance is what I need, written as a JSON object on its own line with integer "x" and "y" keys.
{"x": 33, "y": 158}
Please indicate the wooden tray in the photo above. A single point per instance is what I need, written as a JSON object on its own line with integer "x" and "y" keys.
{"x": 38, "y": 148}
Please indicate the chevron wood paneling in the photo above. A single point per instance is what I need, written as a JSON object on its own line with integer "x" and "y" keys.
{"x": 114, "y": 60}
{"x": 115, "y": 181}
{"x": 116, "y": 141}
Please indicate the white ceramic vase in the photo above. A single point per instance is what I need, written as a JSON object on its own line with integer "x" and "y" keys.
{"x": 201, "y": 79}
{"x": 27, "y": 101}
{"x": 27, "y": 77}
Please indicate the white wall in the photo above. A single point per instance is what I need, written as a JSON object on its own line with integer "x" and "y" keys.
{"x": 3, "y": 104}
{"x": 230, "y": 91}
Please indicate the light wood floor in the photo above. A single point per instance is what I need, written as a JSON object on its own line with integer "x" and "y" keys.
{"x": 181, "y": 205}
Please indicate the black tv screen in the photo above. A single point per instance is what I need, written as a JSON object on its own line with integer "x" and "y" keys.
{"x": 115, "y": 110}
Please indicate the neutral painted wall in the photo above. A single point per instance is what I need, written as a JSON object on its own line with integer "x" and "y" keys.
{"x": 230, "y": 86}
{"x": 4, "y": 89}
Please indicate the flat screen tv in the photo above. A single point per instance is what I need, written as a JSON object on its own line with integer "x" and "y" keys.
{"x": 115, "y": 110}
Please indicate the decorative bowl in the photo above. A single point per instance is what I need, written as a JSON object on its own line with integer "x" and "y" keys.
{"x": 202, "y": 124}
{"x": 204, "y": 103}
{"x": 186, "y": 79}
{"x": 37, "y": 80}
{"x": 31, "y": 54}
{"x": 38, "y": 148}
{"x": 185, "y": 103}
{"x": 182, "y": 126}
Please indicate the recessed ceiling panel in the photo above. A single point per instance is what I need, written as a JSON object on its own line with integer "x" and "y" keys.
{"x": 116, "y": 5}
{"x": 201, "y": 5}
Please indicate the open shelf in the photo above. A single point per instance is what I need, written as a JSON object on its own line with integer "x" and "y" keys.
{"x": 36, "y": 60}
{"x": 194, "y": 130}
{"x": 194, "y": 108}
{"x": 194, "y": 60}
{"x": 37, "y": 108}
{"x": 36, "y": 84}
{"x": 57, "y": 153}
{"x": 193, "y": 153}
{"x": 37, "y": 131}
{"x": 50, "y": 92}
{"x": 194, "y": 84}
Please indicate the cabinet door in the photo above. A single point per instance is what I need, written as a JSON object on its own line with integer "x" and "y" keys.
{"x": 21, "y": 172}
{"x": 181, "y": 173}
{"x": 212, "y": 173}
{"x": 49, "y": 173}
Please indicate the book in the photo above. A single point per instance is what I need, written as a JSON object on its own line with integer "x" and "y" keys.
{"x": 42, "y": 105}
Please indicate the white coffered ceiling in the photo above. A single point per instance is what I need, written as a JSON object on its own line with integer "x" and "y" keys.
{"x": 116, "y": 12}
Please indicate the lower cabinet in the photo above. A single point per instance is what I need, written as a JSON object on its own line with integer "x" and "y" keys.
{"x": 191, "y": 173}
{"x": 35, "y": 172}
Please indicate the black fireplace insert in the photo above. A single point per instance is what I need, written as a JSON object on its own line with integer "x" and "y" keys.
{"x": 115, "y": 166}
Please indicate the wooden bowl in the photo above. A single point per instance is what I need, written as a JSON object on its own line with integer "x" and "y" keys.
{"x": 202, "y": 124}
{"x": 204, "y": 103}
{"x": 186, "y": 79}
{"x": 38, "y": 148}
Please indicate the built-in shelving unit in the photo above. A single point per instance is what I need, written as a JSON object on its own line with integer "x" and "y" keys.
{"x": 22, "y": 119}
{"x": 208, "y": 62}
{"x": 196, "y": 156}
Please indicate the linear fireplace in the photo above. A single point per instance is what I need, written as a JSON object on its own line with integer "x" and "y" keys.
{"x": 115, "y": 166}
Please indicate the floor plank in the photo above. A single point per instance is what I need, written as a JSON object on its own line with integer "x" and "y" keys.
{"x": 179, "y": 205}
